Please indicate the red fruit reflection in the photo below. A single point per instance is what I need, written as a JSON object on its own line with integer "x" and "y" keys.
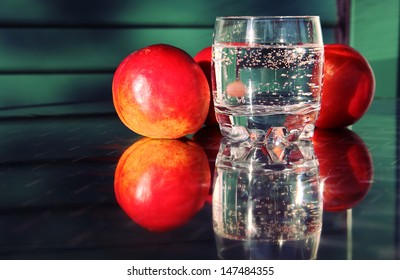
{"x": 162, "y": 184}
{"x": 346, "y": 168}
{"x": 209, "y": 138}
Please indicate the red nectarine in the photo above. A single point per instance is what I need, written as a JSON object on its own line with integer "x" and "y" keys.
{"x": 159, "y": 91}
{"x": 349, "y": 87}
{"x": 203, "y": 58}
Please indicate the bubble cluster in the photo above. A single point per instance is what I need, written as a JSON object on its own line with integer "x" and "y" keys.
{"x": 278, "y": 80}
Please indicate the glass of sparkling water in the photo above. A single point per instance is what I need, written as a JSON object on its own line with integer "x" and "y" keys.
{"x": 267, "y": 77}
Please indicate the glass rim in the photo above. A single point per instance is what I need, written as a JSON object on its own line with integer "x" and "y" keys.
{"x": 267, "y": 17}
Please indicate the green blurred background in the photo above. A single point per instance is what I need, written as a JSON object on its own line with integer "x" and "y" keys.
{"x": 58, "y": 56}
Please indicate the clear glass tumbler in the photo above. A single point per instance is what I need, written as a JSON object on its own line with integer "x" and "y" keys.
{"x": 268, "y": 77}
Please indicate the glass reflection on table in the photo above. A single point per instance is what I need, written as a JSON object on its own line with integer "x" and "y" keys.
{"x": 267, "y": 202}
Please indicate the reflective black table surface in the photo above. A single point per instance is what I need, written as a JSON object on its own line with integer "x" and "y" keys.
{"x": 68, "y": 192}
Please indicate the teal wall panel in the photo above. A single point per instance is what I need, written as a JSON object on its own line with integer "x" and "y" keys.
{"x": 39, "y": 89}
{"x": 63, "y": 52}
{"x": 154, "y": 12}
{"x": 375, "y": 34}
{"x": 87, "y": 49}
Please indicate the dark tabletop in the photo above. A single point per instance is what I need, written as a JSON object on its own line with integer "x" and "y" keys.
{"x": 58, "y": 196}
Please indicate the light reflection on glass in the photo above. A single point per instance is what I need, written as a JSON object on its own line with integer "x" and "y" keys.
{"x": 267, "y": 209}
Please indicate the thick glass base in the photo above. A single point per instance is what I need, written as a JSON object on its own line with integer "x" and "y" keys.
{"x": 270, "y": 129}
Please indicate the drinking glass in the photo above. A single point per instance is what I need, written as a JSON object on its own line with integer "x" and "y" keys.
{"x": 267, "y": 77}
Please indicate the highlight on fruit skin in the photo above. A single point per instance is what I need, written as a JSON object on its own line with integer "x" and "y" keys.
{"x": 159, "y": 91}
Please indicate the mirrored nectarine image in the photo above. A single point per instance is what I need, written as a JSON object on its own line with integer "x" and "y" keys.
{"x": 346, "y": 168}
{"x": 161, "y": 184}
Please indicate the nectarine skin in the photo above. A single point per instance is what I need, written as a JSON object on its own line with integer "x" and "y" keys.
{"x": 349, "y": 87}
{"x": 160, "y": 92}
{"x": 203, "y": 58}
{"x": 161, "y": 184}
